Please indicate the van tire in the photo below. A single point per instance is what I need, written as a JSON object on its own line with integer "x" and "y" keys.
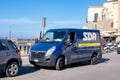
{"x": 12, "y": 69}
{"x": 60, "y": 64}
{"x": 93, "y": 60}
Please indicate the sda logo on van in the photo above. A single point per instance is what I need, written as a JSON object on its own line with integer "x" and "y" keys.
{"x": 89, "y": 36}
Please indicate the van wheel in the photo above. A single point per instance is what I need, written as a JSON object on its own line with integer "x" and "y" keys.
{"x": 12, "y": 69}
{"x": 60, "y": 64}
{"x": 93, "y": 60}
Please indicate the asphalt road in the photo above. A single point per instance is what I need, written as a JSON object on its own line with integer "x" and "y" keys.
{"x": 108, "y": 68}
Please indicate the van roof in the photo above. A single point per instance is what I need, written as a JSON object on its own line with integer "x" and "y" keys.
{"x": 73, "y": 29}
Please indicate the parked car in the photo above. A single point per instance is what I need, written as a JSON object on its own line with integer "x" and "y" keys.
{"x": 10, "y": 59}
{"x": 118, "y": 48}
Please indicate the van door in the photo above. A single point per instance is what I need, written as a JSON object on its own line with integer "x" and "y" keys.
{"x": 68, "y": 51}
{"x": 81, "y": 50}
{"x": 74, "y": 51}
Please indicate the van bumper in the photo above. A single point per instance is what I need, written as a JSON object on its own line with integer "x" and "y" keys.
{"x": 44, "y": 62}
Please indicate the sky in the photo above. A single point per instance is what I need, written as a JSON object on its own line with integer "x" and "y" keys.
{"x": 24, "y": 17}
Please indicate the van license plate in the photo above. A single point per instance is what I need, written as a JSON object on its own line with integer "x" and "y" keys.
{"x": 36, "y": 60}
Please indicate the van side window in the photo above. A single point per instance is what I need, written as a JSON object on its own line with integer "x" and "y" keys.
{"x": 70, "y": 37}
{"x": 2, "y": 46}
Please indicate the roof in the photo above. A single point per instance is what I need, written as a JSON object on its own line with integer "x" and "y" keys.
{"x": 73, "y": 29}
{"x": 95, "y": 6}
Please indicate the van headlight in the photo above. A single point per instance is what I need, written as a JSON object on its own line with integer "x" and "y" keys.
{"x": 49, "y": 52}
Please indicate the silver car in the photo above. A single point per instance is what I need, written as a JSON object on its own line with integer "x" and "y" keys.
{"x": 10, "y": 60}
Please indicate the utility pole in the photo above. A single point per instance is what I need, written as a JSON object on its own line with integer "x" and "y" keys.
{"x": 43, "y": 25}
{"x": 10, "y": 33}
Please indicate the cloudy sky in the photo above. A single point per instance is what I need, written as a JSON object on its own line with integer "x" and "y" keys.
{"x": 24, "y": 17}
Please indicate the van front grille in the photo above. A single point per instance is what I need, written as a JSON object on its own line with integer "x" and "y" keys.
{"x": 38, "y": 54}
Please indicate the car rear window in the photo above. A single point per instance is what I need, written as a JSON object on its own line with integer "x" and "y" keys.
{"x": 2, "y": 46}
{"x": 12, "y": 45}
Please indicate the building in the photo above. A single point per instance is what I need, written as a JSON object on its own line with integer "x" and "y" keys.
{"x": 106, "y": 18}
{"x": 24, "y": 44}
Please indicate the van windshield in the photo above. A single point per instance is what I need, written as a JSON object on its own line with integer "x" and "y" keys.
{"x": 53, "y": 36}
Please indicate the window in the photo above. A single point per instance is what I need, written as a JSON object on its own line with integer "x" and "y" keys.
{"x": 95, "y": 16}
{"x": 2, "y": 46}
{"x": 53, "y": 36}
{"x": 12, "y": 45}
{"x": 95, "y": 26}
{"x": 71, "y": 36}
{"x": 112, "y": 24}
{"x": 103, "y": 16}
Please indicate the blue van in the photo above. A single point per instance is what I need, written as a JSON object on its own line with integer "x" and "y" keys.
{"x": 60, "y": 47}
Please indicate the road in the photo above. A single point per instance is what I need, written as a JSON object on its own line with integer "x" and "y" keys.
{"x": 108, "y": 68}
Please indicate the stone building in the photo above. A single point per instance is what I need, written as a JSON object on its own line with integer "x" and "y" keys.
{"x": 24, "y": 44}
{"x": 106, "y": 18}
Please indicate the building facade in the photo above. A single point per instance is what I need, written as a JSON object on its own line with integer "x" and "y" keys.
{"x": 106, "y": 18}
{"x": 24, "y": 44}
